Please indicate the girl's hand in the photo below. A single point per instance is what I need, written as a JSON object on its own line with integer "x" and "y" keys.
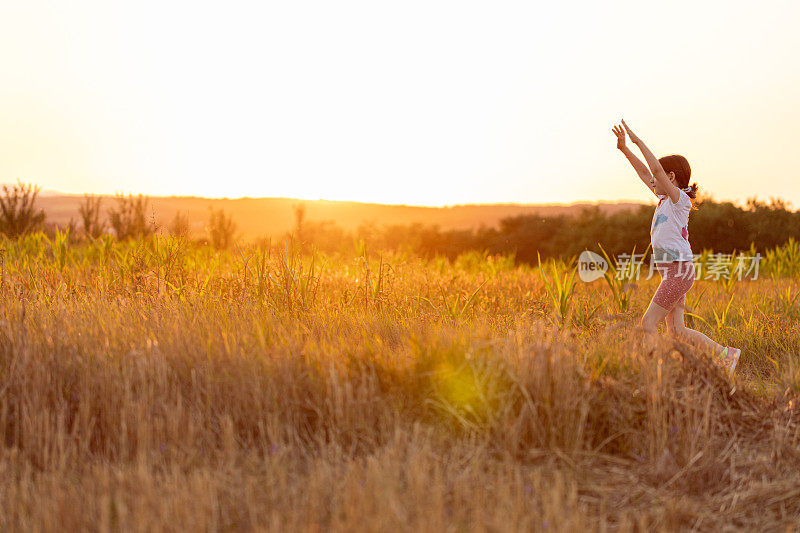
{"x": 620, "y": 133}
{"x": 634, "y": 138}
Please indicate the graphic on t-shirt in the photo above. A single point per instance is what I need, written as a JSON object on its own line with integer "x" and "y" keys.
{"x": 685, "y": 233}
{"x": 659, "y": 219}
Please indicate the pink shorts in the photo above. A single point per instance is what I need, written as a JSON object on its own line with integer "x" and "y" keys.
{"x": 677, "y": 277}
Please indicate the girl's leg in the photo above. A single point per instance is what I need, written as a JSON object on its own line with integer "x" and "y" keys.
{"x": 652, "y": 317}
{"x": 656, "y": 312}
{"x": 678, "y": 329}
{"x": 670, "y": 293}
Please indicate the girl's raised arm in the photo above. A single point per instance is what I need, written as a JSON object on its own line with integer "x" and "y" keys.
{"x": 640, "y": 168}
{"x": 658, "y": 171}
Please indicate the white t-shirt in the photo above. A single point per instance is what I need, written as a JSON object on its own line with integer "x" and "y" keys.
{"x": 669, "y": 231}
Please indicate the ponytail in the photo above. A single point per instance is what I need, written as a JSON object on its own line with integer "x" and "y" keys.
{"x": 678, "y": 165}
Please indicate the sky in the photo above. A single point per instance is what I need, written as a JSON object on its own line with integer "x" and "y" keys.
{"x": 414, "y": 102}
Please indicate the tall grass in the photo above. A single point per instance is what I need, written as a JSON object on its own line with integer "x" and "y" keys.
{"x": 620, "y": 277}
{"x": 155, "y": 385}
{"x": 560, "y": 287}
{"x": 784, "y": 260}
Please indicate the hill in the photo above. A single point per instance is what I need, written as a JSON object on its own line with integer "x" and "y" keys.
{"x": 274, "y": 216}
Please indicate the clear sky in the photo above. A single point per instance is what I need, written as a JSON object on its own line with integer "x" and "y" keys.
{"x": 418, "y": 102}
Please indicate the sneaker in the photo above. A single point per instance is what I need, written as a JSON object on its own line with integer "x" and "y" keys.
{"x": 729, "y": 358}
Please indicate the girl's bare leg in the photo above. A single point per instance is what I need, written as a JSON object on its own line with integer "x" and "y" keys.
{"x": 677, "y": 328}
{"x": 652, "y": 317}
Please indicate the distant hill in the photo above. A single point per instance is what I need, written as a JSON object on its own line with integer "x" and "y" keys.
{"x": 275, "y": 216}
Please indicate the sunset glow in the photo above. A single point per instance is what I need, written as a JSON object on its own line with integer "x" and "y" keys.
{"x": 427, "y": 103}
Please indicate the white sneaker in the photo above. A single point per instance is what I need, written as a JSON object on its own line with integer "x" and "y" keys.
{"x": 729, "y": 358}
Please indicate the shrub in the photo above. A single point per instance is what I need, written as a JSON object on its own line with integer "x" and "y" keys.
{"x": 221, "y": 229}
{"x": 18, "y": 215}
{"x": 180, "y": 227}
{"x": 129, "y": 218}
{"x": 90, "y": 216}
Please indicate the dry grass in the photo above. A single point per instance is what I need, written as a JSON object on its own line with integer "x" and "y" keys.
{"x": 152, "y": 386}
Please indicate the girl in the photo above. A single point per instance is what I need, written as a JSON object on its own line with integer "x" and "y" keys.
{"x": 672, "y": 253}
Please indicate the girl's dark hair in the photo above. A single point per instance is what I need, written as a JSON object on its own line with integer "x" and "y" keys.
{"x": 680, "y": 166}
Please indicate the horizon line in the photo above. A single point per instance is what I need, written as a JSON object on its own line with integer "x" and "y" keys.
{"x": 58, "y": 194}
{"x": 50, "y": 193}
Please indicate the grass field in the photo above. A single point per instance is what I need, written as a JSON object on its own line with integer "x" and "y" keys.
{"x": 154, "y": 385}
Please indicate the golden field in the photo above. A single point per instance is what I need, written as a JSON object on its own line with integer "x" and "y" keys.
{"x": 157, "y": 385}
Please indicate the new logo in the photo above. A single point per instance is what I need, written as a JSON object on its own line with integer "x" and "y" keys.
{"x": 591, "y": 266}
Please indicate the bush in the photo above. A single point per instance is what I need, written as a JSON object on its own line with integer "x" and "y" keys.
{"x": 221, "y": 229}
{"x": 129, "y": 219}
{"x": 18, "y": 215}
{"x": 180, "y": 226}
{"x": 90, "y": 216}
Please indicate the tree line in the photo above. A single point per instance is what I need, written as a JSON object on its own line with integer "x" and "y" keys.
{"x": 719, "y": 226}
